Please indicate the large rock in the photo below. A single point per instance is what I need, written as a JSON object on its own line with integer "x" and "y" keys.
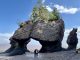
{"x": 48, "y": 46}
{"x": 22, "y": 38}
{"x": 51, "y": 31}
{"x": 23, "y": 32}
{"x": 72, "y": 39}
{"x": 49, "y": 35}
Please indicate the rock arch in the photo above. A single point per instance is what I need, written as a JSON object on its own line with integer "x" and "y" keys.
{"x": 34, "y": 44}
{"x": 49, "y": 35}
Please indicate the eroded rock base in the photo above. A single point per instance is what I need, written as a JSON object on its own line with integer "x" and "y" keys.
{"x": 50, "y": 46}
{"x": 12, "y": 47}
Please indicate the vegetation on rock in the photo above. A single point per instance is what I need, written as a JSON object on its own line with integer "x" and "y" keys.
{"x": 21, "y": 24}
{"x": 54, "y": 15}
{"x": 41, "y": 13}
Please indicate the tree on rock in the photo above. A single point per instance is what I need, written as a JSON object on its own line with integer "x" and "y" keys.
{"x": 54, "y": 15}
{"x": 39, "y": 12}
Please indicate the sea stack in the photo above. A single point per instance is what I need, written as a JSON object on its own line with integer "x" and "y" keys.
{"x": 22, "y": 38}
{"x": 72, "y": 39}
{"x": 49, "y": 35}
{"x": 44, "y": 26}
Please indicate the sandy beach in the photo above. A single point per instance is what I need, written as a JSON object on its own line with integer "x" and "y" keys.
{"x": 63, "y": 55}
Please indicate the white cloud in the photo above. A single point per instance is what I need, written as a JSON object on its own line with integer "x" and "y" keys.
{"x": 63, "y": 9}
{"x": 4, "y": 37}
{"x": 49, "y": 8}
{"x": 78, "y": 35}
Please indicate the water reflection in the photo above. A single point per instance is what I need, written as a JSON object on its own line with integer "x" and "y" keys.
{"x": 32, "y": 55}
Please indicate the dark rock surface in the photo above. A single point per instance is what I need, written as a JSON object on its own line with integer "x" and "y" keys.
{"x": 23, "y": 32}
{"x": 50, "y": 31}
{"x": 49, "y": 35}
{"x": 22, "y": 38}
{"x": 72, "y": 39}
{"x": 48, "y": 46}
{"x": 20, "y": 48}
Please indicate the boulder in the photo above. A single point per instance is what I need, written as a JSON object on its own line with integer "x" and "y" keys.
{"x": 72, "y": 39}
{"x": 22, "y": 38}
{"x": 49, "y": 34}
{"x": 50, "y": 31}
{"x": 23, "y": 32}
{"x": 48, "y": 47}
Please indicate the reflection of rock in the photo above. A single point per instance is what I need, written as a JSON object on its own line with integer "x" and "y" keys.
{"x": 49, "y": 35}
{"x": 72, "y": 39}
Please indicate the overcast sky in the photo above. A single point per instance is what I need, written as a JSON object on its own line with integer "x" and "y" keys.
{"x": 14, "y": 11}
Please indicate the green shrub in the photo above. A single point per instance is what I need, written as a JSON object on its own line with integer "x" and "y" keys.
{"x": 40, "y": 12}
{"x": 21, "y": 24}
{"x": 56, "y": 14}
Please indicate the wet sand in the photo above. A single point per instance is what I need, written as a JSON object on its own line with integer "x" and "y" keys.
{"x": 63, "y": 55}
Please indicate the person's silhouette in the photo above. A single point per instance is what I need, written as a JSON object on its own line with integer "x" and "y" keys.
{"x": 36, "y": 52}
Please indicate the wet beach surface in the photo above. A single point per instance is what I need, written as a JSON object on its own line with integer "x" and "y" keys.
{"x": 63, "y": 55}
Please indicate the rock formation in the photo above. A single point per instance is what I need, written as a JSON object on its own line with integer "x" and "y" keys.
{"x": 49, "y": 35}
{"x": 22, "y": 38}
{"x": 72, "y": 39}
